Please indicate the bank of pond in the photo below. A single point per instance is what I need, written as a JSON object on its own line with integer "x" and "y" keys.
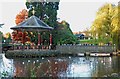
{"x": 54, "y": 53}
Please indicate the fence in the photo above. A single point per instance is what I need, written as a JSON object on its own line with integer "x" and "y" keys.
{"x": 85, "y": 48}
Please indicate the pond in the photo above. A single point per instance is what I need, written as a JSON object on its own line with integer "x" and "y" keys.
{"x": 59, "y": 66}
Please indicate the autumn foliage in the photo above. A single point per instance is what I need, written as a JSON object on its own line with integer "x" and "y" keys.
{"x": 7, "y": 35}
{"x": 21, "y": 16}
{"x": 18, "y": 35}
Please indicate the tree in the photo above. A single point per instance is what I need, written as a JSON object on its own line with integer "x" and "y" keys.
{"x": 1, "y": 37}
{"x": 64, "y": 34}
{"x": 102, "y": 23}
{"x": 21, "y": 16}
{"x": 116, "y": 27}
{"x": 47, "y": 11}
{"x": 106, "y": 24}
{"x": 17, "y": 35}
{"x": 7, "y": 37}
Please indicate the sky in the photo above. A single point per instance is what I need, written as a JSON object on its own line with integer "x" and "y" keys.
{"x": 78, "y": 13}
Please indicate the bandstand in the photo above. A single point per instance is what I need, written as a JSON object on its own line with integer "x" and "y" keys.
{"x": 34, "y": 24}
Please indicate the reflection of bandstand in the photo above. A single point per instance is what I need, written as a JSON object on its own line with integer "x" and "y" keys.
{"x": 34, "y": 24}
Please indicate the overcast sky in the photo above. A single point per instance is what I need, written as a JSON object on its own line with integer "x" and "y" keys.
{"x": 78, "y": 13}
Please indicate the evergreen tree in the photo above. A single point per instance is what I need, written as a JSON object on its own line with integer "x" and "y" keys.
{"x": 64, "y": 34}
{"x": 47, "y": 11}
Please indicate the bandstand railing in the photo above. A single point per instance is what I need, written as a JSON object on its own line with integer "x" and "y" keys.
{"x": 27, "y": 47}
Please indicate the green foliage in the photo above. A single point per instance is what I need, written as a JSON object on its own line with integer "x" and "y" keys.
{"x": 64, "y": 34}
{"x": 107, "y": 25}
{"x": 1, "y": 36}
{"x": 95, "y": 41}
{"x": 102, "y": 23}
{"x": 47, "y": 11}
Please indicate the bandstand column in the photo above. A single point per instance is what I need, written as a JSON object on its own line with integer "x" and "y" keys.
{"x": 39, "y": 40}
{"x": 50, "y": 40}
{"x": 17, "y": 37}
{"x": 22, "y": 39}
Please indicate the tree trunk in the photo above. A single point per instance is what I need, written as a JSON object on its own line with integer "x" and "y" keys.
{"x": 119, "y": 42}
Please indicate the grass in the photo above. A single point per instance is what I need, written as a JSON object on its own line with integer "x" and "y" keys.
{"x": 94, "y": 41}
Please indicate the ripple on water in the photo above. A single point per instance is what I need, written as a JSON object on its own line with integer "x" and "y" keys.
{"x": 75, "y": 66}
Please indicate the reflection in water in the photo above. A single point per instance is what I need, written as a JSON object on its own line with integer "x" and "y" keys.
{"x": 79, "y": 70}
{"x": 6, "y": 66}
{"x": 43, "y": 67}
{"x": 60, "y": 67}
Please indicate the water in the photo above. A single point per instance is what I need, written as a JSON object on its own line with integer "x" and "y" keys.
{"x": 59, "y": 66}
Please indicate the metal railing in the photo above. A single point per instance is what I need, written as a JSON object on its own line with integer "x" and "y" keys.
{"x": 27, "y": 47}
{"x": 85, "y": 48}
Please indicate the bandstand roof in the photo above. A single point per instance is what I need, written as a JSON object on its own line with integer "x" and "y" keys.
{"x": 32, "y": 23}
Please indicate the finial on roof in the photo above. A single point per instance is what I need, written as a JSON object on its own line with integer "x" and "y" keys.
{"x": 33, "y": 12}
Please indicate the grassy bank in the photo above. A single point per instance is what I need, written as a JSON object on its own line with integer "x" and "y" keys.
{"x": 95, "y": 41}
